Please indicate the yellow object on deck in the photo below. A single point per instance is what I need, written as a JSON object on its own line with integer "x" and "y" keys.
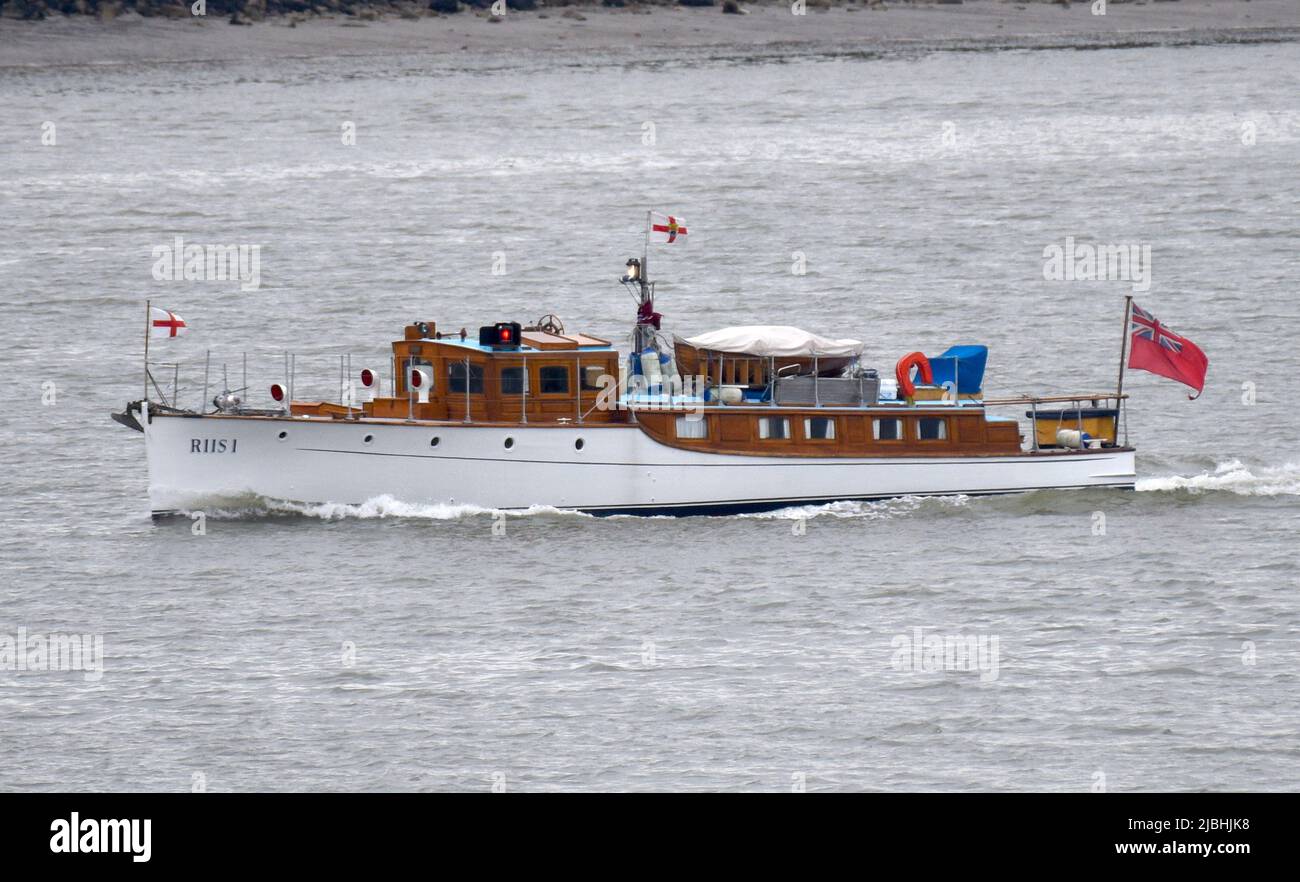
{"x": 1097, "y": 422}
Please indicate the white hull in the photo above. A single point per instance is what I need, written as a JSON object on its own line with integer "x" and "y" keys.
{"x": 194, "y": 460}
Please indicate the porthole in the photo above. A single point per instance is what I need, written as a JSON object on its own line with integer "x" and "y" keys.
{"x": 578, "y": 445}
{"x": 433, "y": 442}
{"x": 368, "y": 439}
{"x": 510, "y": 442}
{"x": 282, "y": 435}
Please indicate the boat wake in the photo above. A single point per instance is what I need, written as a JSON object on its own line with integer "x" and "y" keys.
{"x": 1232, "y": 477}
{"x": 882, "y": 509}
{"x": 253, "y": 507}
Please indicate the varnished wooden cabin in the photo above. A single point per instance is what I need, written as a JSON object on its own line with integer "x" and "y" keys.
{"x": 529, "y": 376}
{"x": 533, "y": 377}
{"x": 556, "y": 379}
{"x": 882, "y": 430}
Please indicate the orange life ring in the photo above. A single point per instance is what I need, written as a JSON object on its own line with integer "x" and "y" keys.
{"x": 904, "y": 372}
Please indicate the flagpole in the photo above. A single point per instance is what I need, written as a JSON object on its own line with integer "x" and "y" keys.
{"x": 1123, "y": 345}
{"x": 645, "y": 250}
{"x": 147, "y": 314}
{"x": 1119, "y": 386}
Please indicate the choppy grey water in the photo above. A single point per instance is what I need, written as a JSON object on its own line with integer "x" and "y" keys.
{"x": 392, "y": 647}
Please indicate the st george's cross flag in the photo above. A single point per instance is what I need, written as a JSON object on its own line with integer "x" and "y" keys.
{"x": 1155, "y": 348}
{"x": 166, "y": 324}
{"x": 673, "y": 228}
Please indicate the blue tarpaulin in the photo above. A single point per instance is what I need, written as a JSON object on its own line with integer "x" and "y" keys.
{"x": 963, "y": 363}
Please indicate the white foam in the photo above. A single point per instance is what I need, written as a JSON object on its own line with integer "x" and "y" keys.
{"x": 1233, "y": 477}
{"x": 378, "y": 507}
{"x": 880, "y": 509}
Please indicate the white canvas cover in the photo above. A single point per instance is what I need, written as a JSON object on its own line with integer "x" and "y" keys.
{"x": 776, "y": 340}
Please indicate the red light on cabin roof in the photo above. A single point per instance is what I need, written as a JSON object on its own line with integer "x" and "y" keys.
{"x": 505, "y": 335}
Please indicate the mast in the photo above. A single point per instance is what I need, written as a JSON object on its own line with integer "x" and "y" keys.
{"x": 645, "y": 253}
{"x": 643, "y": 334}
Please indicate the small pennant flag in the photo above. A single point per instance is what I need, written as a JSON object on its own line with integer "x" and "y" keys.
{"x": 166, "y": 324}
{"x": 673, "y": 228}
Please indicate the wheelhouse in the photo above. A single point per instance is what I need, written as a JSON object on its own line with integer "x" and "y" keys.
{"x": 507, "y": 374}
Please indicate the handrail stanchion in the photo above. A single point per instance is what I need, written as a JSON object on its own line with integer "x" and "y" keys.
{"x": 207, "y": 366}
{"x": 467, "y": 388}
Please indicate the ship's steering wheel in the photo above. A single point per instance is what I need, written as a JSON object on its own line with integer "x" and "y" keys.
{"x": 550, "y": 324}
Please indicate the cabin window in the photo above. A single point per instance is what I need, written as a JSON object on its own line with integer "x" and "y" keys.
{"x": 932, "y": 429}
{"x": 692, "y": 428}
{"x": 887, "y": 430}
{"x": 512, "y": 380}
{"x": 773, "y": 428}
{"x": 591, "y": 375}
{"x": 456, "y": 378}
{"x": 819, "y": 429}
{"x": 554, "y": 379}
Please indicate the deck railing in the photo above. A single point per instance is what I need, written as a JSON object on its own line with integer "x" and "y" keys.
{"x": 1076, "y": 402}
{"x": 190, "y": 386}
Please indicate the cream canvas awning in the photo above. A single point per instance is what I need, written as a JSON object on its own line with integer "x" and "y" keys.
{"x": 774, "y": 340}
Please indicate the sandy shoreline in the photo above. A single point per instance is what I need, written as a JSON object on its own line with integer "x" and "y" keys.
{"x": 130, "y": 38}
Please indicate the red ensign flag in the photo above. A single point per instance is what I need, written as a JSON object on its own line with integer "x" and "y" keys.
{"x": 1155, "y": 348}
